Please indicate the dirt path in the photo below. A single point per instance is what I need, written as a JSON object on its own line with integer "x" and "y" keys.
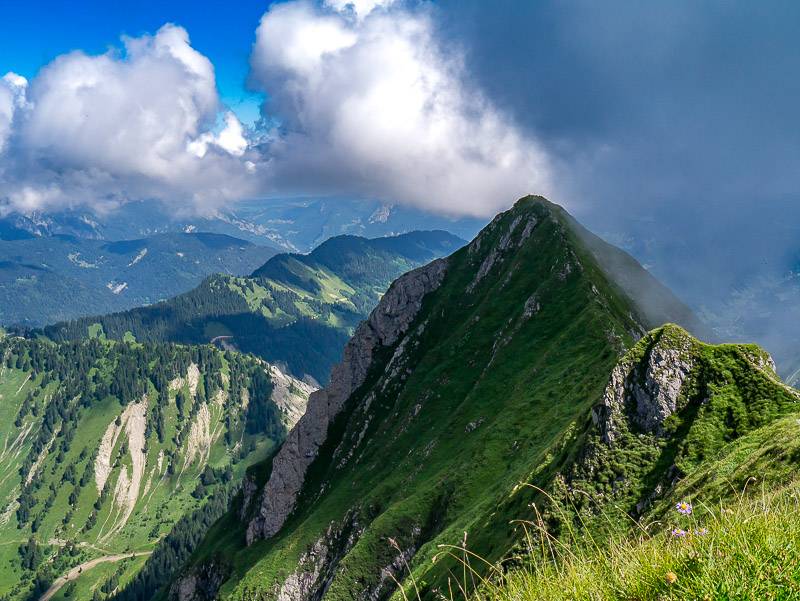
{"x": 80, "y": 569}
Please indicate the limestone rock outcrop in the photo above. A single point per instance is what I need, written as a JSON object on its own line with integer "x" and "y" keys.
{"x": 647, "y": 391}
{"x": 384, "y": 327}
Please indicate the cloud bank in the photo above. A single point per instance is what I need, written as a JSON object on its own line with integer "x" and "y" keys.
{"x": 142, "y": 123}
{"x": 371, "y": 103}
{"x": 674, "y": 127}
{"x": 364, "y": 100}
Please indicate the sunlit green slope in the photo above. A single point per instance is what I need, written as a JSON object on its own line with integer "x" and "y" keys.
{"x": 489, "y": 384}
{"x": 104, "y": 446}
{"x": 296, "y": 310}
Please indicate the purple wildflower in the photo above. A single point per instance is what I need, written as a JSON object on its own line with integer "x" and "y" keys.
{"x": 678, "y": 533}
{"x": 684, "y": 507}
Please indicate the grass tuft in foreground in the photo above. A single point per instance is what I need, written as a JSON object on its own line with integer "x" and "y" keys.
{"x": 748, "y": 548}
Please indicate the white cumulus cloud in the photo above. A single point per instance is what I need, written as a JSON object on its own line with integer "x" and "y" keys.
{"x": 377, "y": 106}
{"x": 230, "y": 139}
{"x": 364, "y": 100}
{"x": 134, "y": 124}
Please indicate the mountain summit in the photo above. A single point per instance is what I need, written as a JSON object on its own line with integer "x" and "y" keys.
{"x": 473, "y": 374}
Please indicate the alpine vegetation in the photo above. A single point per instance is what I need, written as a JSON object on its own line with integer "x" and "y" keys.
{"x": 106, "y": 446}
{"x": 519, "y": 359}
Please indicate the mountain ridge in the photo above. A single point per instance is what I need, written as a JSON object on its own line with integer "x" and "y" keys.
{"x": 505, "y": 318}
{"x": 296, "y": 310}
{"x": 65, "y": 276}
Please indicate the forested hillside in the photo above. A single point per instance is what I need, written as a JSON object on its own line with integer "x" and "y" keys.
{"x": 296, "y": 310}
{"x": 65, "y": 277}
{"x": 105, "y": 446}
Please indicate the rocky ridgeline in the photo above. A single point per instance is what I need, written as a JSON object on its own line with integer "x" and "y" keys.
{"x": 650, "y": 383}
{"x": 385, "y": 325}
{"x": 650, "y": 386}
{"x": 672, "y": 402}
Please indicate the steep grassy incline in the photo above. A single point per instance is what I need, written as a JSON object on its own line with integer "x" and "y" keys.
{"x": 104, "y": 446}
{"x": 296, "y": 310}
{"x": 449, "y": 403}
{"x": 686, "y": 487}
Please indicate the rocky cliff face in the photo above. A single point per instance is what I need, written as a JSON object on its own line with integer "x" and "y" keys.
{"x": 200, "y": 584}
{"x": 654, "y": 381}
{"x": 387, "y": 322}
{"x": 671, "y": 403}
{"x": 648, "y": 388}
{"x": 317, "y": 566}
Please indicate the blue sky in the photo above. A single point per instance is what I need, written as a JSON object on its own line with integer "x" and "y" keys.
{"x": 34, "y": 33}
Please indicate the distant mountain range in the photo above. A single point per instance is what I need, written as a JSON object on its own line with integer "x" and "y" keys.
{"x": 52, "y": 277}
{"x": 297, "y": 225}
{"x": 751, "y": 301}
{"x": 76, "y": 262}
{"x": 295, "y": 310}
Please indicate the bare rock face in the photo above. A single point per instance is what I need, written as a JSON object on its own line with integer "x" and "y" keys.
{"x": 385, "y": 325}
{"x": 765, "y": 363}
{"x": 647, "y": 392}
{"x": 249, "y": 490}
{"x": 532, "y": 307}
{"x": 317, "y": 567}
{"x": 509, "y": 240}
{"x": 289, "y": 394}
{"x": 657, "y": 396}
{"x": 201, "y": 584}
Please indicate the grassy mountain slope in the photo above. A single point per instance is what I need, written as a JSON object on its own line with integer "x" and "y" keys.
{"x": 732, "y": 453}
{"x": 104, "y": 446}
{"x": 298, "y": 310}
{"x": 64, "y": 277}
{"x": 500, "y": 378}
{"x": 502, "y": 361}
{"x": 672, "y": 405}
{"x": 744, "y": 548}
